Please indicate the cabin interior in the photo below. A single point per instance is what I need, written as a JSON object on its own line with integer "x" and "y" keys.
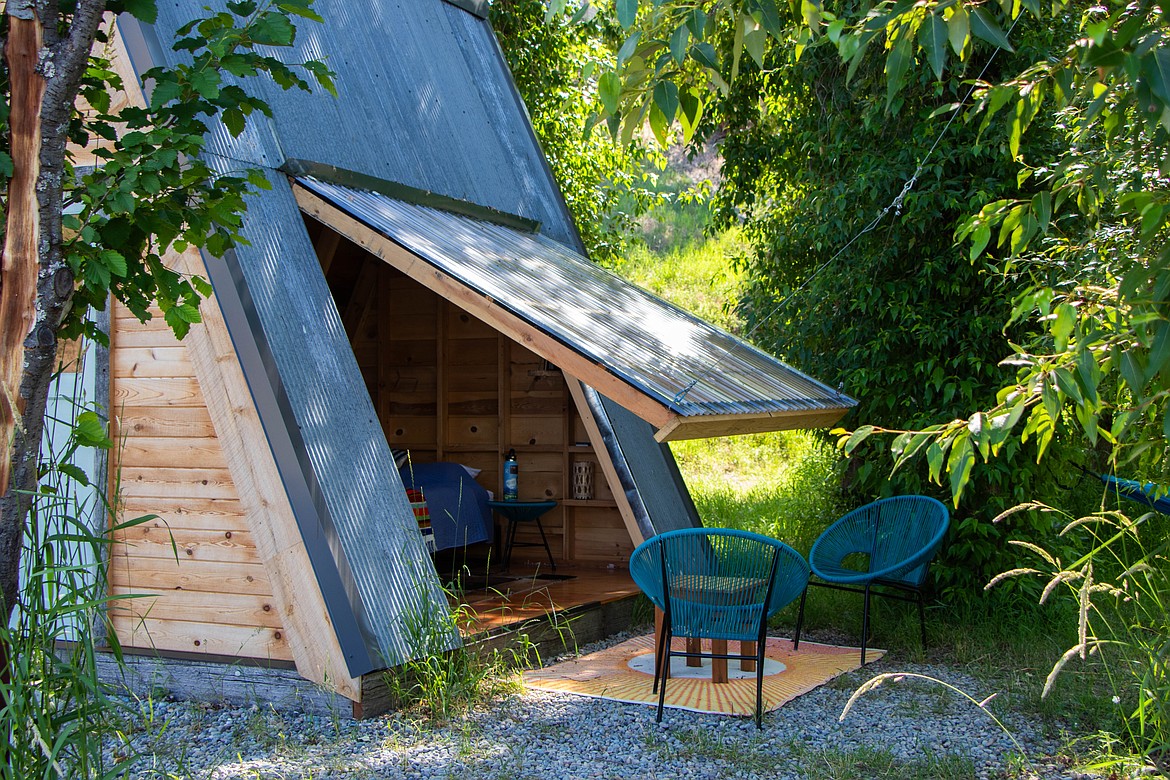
{"x": 448, "y": 387}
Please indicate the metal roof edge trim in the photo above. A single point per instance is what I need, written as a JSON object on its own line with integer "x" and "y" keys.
{"x": 299, "y": 169}
{"x": 617, "y": 457}
{"x": 359, "y": 645}
{"x": 474, "y": 7}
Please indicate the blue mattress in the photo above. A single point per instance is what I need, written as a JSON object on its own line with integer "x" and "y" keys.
{"x": 457, "y": 503}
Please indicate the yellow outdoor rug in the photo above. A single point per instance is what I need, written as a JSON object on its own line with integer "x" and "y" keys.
{"x": 625, "y": 673}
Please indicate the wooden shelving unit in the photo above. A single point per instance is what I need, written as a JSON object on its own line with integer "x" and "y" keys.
{"x": 449, "y": 387}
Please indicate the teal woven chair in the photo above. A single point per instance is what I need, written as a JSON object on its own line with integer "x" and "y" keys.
{"x": 889, "y": 543}
{"x": 715, "y": 583}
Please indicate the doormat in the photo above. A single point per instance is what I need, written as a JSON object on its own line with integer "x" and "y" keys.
{"x": 625, "y": 673}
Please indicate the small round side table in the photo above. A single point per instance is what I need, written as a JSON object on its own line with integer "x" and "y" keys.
{"x": 516, "y": 512}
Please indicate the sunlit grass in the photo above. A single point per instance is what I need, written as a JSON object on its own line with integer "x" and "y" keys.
{"x": 778, "y": 484}
{"x": 697, "y": 275}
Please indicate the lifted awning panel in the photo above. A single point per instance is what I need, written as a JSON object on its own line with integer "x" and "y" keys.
{"x": 681, "y": 374}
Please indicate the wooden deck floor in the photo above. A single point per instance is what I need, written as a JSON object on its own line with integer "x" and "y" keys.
{"x": 524, "y": 595}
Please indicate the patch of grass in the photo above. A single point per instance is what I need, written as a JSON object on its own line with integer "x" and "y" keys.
{"x": 698, "y": 276}
{"x": 866, "y": 763}
{"x": 703, "y": 744}
{"x": 779, "y": 484}
{"x": 441, "y": 683}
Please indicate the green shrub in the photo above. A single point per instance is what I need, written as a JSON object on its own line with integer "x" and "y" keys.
{"x": 441, "y": 682}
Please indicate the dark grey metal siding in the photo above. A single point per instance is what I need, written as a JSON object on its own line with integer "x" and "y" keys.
{"x": 368, "y": 557}
{"x": 669, "y": 354}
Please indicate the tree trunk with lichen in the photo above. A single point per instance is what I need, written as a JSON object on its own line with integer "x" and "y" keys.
{"x": 45, "y": 66}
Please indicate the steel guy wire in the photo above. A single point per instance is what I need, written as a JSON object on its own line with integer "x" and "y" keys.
{"x": 894, "y": 205}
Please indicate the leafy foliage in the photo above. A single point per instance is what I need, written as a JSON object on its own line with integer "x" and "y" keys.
{"x": 553, "y": 65}
{"x": 898, "y": 317}
{"x": 151, "y": 191}
{"x": 1092, "y": 238}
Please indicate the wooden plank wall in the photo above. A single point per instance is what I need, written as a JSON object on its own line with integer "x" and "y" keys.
{"x": 437, "y": 375}
{"x": 209, "y": 592}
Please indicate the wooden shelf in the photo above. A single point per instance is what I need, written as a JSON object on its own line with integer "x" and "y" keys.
{"x": 588, "y": 502}
{"x": 470, "y": 448}
{"x": 580, "y": 448}
{"x": 534, "y": 448}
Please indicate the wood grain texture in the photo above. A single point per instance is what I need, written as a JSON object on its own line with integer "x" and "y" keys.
{"x": 232, "y": 609}
{"x": 204, "y": 452}
{"x": 213, "y": 682}
{"x": 192, "y": 575}
{"x": 146, "y": 362}
{"x": 138, "y": 481}
{"x": 156, "y": 391}
{"x": 208, "y": 638}
{"x": 144, "y": 541}
{"x": 172, "y": 422}
{"x": 20, "y": 261}
{"x": 308, "y": 635}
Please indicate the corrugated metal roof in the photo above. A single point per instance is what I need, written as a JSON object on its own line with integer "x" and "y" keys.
{"x": 681, "y": 361}
{"x": 424, "y": 99}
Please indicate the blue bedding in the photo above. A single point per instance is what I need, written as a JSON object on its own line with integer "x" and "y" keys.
{"x": 457, "y": 503}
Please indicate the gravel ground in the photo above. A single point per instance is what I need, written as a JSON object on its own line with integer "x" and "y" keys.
{"x": 910, "y": 728}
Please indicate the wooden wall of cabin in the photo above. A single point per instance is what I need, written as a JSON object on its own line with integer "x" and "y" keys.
{"x": 208, "y": 593}
{"x": 448, "y": 387}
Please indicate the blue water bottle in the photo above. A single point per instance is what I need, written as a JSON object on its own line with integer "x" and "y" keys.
{"x": 511, "y": 477}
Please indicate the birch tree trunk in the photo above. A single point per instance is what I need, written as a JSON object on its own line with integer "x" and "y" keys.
{"x": 45, "y": 70}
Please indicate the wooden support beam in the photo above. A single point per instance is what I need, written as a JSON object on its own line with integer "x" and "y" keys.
{"x": 364, "y": 289}
{"x": 604, "y": 459}
{"x": 483, "y": 307}
{"x": 326, "y": 247}
{"x": 709, "y": 425}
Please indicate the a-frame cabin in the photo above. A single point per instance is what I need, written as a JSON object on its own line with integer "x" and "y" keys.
{"x": 414, "y": 282}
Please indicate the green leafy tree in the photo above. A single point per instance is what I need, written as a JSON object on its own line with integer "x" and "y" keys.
{"x": 1085, "y": 232}
{"x": 151, "y": 194}
{"x": 841, "y": 191}
{"x": 1088, "y": 227}
{"x": 556, "y": 66}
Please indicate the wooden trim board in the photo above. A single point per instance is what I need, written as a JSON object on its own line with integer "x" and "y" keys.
{"x": 303, "y": 613}
{"x": 706, "y": 426}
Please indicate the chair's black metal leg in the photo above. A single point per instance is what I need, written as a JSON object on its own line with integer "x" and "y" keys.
{"x": 760, "y": 684}
{"x": 921, "y": 618}
{"x": 662, "y": 682}
{"x": 511, "y": 540}
{"x": 547, "y": 549}
{"x": 865, "y": 624}
{"x": 799, "y": 620}
{"x": 658, "y": 657}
